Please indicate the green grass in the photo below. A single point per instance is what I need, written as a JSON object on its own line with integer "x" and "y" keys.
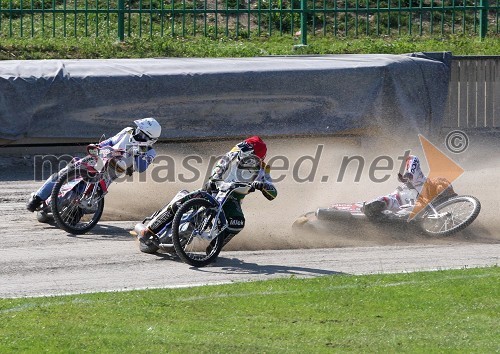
{"x": 427, "y": 312}
{"x": 202, "y": 47}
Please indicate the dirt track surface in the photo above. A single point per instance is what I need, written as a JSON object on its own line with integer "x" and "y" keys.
{"x": 39, "y": 259}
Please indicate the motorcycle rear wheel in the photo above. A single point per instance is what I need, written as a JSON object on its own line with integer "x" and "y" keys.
{"x": 454, "y": 215}
{"x": 195, "y": 217}
{"x": 68, "y": 213}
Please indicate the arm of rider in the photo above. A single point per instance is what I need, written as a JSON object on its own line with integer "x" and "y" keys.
{"x": 257, "y": 185}
{"x": 210, "y": 186}
{"x": 143, "y": 160}
{"x": 267, "y": 189}
{"x": 264, "y": 183}
{"x": 406, "y": 179}
{"x": 121, "y": 138}
{"x": 223, "y": 164}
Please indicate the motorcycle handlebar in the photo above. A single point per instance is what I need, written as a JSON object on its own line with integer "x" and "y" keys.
{"x": 107, "y": 152}
{"x": 234, "y": 184}
{"x": 96, "y": 150}
{"x": 239, "y": 183}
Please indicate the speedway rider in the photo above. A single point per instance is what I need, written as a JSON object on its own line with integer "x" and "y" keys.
{"x": 137, "y": 142}
{"x": 251, "y": 149}
{"x": 413, "y": 184}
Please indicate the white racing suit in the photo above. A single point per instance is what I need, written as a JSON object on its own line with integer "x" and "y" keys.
{"x": 405, "y": 196}
{"x": 138, "y": 158}
{"x": 139, "y": 155}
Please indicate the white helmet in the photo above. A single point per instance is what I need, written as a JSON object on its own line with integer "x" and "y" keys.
{"x": 148, "y": 130}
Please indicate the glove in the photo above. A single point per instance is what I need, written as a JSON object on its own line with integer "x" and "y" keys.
{"x": 210, "y": 186}
{"x": 129, "y": 171}
{"x": 92, "y": 149}
{"x": 402, "y": 179}
{"x": 258, "y": 185}
{"x": 139, "y": 150}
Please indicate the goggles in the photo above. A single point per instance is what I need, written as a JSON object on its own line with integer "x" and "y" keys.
{"x": 142, "y": 137}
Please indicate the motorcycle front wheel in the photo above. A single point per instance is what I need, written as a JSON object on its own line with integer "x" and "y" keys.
{"x": 74, "y": 208}
{"x": 451, "y": 216}
{"x": 192, "y": 226}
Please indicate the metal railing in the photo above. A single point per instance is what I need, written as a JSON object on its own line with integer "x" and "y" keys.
{"x": 474, "y": 93}
{"x": 246, "y": 18}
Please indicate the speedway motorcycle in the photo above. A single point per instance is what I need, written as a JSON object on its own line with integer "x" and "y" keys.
{"x": 443, "y": 216}
{"x": 76, "y": 203}
{"x": 197, "y": 231}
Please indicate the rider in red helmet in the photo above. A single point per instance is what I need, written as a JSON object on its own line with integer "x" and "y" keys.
{"x": 245, "y": 162}
{"x": 242, "y": 155}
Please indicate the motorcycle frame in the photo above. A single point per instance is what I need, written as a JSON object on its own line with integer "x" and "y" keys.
{"x": 200, "y": 193}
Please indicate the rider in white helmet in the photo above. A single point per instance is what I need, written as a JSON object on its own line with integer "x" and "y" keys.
{"x": 412, "y": 180}
{"x": 415, "y": 190}
{"x": 136, "y": 141}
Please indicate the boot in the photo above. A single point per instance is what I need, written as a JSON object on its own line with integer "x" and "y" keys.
{"x": 145, "y": 235}
{"x": 33, "y": 203}
{"x": 374, "y": 209}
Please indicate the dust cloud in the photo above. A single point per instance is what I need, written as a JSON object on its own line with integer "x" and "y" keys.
{"x": 312, "y": 172}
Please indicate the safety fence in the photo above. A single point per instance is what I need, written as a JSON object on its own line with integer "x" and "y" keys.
{"x": 474, "y": 93}
{"x": 246, "y": 18}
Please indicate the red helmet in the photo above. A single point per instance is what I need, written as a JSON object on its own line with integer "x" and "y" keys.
{"x": 259, "y": 147}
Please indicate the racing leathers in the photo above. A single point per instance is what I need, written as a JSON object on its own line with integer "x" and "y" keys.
{"x": 232, "y": 166}
{"x": 139, "y": 156}
{"x": 237, "y": 165}
{"x": 412, "y": 180}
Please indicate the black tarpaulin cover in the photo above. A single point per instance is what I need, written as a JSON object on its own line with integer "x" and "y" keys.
{"x": 201, "y": 98}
